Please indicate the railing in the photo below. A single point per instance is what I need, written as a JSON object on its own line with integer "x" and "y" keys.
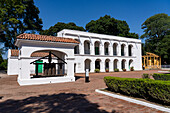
{"x": 122, "y": 54}
{"x": 106, "y": 53}
{"x": 165, "y": 66}
{"x": 114, "y": 53}
{"x": 86, "y": 51}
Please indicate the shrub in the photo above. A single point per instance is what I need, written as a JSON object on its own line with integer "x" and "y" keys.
{"x": 3, "y": 65}
{"x": 154, "y": 90}
{"x": 116, "y": 70}
{"x": 124, "y": 69}
{"x": 160, "y": 76}
{"x": 107, "y": 70}
{"x": 132, "y": 68}
{"x": 97, "y": 70}
{"x": 146, "y": 76}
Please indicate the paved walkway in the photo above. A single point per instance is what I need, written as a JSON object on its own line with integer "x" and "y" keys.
{"x": 73, "y": 97}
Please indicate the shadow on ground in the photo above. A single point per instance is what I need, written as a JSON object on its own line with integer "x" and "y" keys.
{"x": 56, "y": 103}
{"x": 78, "y": 77}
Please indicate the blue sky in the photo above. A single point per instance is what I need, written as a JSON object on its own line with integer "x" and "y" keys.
{"x": 134, "y": 12}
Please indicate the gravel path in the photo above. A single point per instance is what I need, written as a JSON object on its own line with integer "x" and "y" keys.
{"x": 73, "y": 97}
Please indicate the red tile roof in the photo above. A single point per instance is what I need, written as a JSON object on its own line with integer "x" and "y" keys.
{"x": 15, "y": 52}
{"x": 46, "y": 38}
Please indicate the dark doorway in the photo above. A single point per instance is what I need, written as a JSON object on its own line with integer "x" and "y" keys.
{"x": 97, "y": 64}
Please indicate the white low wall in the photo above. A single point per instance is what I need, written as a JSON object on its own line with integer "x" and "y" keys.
{"x": 12, "y": 68}
{"x": 47, "y": 80}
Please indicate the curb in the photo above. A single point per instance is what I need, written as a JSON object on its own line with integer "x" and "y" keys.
{"x": 134, "y": 101}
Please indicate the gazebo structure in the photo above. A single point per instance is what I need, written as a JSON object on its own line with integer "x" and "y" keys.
{"x": 151, "y": 61}
{"x": 60, "y": 69}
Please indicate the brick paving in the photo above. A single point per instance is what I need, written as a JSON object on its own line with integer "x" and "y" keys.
{"x": 73, "y": 97}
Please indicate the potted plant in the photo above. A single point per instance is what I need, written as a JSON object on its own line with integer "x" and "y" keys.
{"x": 132, "y": 68}
{"x": 124, "y": 69}
{"x": 116, "y": 70}
{"x": 107, "y": 70}
{"x": 97, "y": 70}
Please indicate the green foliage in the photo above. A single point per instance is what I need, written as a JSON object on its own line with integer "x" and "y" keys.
{"x": 110, "y": 26}
{"x": 3, "y": 63}
{"x": 53, "y": 30}
{"x": 107, "y": 70}
{"x": 157, "y": 36}
{"x": 97, "y": 70}
{"x": 16, "y": 17}
{"x": 132, "y": 68}
{"x": 116, "y": 70}
{"x": 124, "y": 69}
{"x": 146, "y": 76}
{"x": 154, "y": 90}
{"x": 1, "y": 59}
{"x": 159, "y": 76}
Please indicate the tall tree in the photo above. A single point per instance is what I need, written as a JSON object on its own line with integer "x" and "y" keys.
{"x": 157, "y": 35}
{"x": 110, "y": 26}
{"x": 16, "y": 17}
{"x": 2, "y": 35}
{"x": 60, "y": 26}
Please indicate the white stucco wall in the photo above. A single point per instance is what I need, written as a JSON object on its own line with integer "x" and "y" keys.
{"x": 92, "y": 38}
{"x": 27, "y": 47}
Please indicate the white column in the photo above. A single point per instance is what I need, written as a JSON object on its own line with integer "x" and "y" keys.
{"x": 91, "y": 49}
{"x": 119, "y": 49}
{"x": 110, "y": 50}
{"x": 81, "y": 48}
{"x": 133, "y": 51}
{"x": 127, "y": 65}
{"x": 70, "y": 67}
{"x": 102, "y": 66}
{"x": 126, "y": 51}
{"x": 92, "y": 66}
{"x": 111, "y": 66}
{"x": 119, "y": 65}
{"x": 101, "y": 49}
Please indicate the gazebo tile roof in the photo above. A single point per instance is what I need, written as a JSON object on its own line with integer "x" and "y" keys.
{"x": 46, "y": 38}
{"x": 15, "y": 52}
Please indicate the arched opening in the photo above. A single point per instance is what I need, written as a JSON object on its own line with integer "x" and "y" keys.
{"x": 130, "y": 50}
{"x": 48, "y": 63}
{"x": 123, "y": 64}
{"x": 86, "y": 47}
{"x": 106, "y": 48}
{"x": 130, "y": 63}
{"x": 97, "y": 48}
{"x": 97, "y": 64}
{"x": 87, "y": 63}
{"x": 115, "y": 49}
{"x": 107, "y": 65}
{"x": 115, "y": 64}
{"x": 76, "y": 48}
{"x": 123, "y": 50}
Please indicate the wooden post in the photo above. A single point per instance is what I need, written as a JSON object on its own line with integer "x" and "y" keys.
{"x": 154, "y": 62}
{"x": 147, "y": 61}
{"x": 160, "y": 61}
{"x": 49, "y": 58}
{"x": 36, "y": 69}
{"x": 151, "y": 62}
{"x": 144, "y": 61}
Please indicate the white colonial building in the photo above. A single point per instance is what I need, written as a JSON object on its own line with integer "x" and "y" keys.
{"x": 44, "y": 59}
{"x": 99, "y": 51}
